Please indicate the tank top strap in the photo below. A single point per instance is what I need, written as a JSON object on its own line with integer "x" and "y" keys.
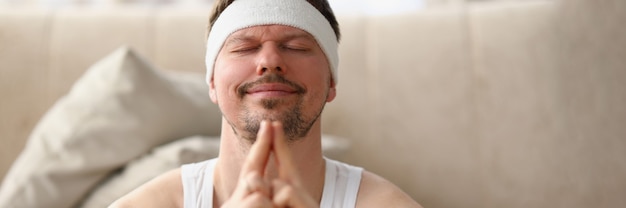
{"x": 197, "y": 180}
{"x": 341, "y": 184}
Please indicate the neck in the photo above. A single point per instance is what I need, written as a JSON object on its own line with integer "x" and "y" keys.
{"x": 306, "y": 152}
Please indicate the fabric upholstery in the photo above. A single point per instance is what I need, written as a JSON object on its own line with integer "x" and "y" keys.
{"x": 141, "y": 170}
{"x": 118, "y": 110}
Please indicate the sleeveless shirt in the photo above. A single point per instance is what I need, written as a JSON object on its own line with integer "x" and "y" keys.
{"x": 341, "y": 184}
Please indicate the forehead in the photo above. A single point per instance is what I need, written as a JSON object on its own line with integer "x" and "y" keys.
{"x": 269, "y": 32}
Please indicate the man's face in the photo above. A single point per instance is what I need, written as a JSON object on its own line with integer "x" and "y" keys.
{"x": 271, "y": 72}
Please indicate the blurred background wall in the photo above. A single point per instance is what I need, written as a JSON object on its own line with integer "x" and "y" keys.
{"x": 493, "y": 104}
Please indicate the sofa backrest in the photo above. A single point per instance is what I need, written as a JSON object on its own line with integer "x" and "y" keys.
{"x": 43, "y": 52}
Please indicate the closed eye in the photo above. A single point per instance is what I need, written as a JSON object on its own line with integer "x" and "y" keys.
{"x": 245, "y": 49}
{"x": 297, "y": 49}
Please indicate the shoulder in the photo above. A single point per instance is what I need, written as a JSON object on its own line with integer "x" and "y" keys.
{"x": 376, "y": 191}
{"x": 165, "y": 190}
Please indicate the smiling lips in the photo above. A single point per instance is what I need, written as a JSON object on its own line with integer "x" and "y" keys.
{"x": 271, "y": 90}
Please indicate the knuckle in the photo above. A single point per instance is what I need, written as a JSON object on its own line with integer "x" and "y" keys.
{"x": 289, "y": 190}
{"x": 257, "y": 198}
{"x": 253, "y": 175}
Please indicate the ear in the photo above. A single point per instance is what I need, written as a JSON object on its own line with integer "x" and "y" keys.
{"x": 332, "y": 91}
{"x": 212, "y": 92}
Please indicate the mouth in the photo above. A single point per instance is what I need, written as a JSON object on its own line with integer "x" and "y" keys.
{"x": 270, "y": 86}
{"x": 271, "y": 90}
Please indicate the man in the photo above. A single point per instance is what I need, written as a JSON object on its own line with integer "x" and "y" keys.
{"x": 271, "y": 67}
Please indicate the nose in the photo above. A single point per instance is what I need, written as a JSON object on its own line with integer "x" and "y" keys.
{"x": 270, "y": 60}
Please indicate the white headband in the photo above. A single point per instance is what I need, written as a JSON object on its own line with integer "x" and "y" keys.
{"x": 295, "y": 13}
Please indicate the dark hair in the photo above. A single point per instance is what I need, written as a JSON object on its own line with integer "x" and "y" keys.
{"x": 321, "y": 5}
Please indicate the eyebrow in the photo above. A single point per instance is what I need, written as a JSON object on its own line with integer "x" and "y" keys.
{"x": 237, "y": 39}
{"x": 299, "y": 35}
{"x": 249, "y": 38}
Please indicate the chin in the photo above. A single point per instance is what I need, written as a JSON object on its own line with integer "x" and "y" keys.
{"x": 273, "y": 115}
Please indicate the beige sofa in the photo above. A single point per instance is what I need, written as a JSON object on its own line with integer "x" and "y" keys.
{"x": 512, "y": 104}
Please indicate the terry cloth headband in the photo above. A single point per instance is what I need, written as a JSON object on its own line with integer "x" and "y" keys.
{"x": 295, "y": 13}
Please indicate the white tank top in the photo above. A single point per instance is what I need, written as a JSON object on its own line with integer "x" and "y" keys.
{"x": 341, "y": 184}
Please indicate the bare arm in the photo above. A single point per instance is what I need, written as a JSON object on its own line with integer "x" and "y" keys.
{"x": 376, "y": 191}
{"x": 165, "y": 190}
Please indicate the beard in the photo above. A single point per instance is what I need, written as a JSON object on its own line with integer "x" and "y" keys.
{"x": 296, "y": 124}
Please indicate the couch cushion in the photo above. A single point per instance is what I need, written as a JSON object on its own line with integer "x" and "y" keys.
{"x": 143, "y": 169}
{"x": 118, "y": 110}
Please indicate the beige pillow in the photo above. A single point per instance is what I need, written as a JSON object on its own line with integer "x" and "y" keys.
{"x": 117, "y": 111}
{"x": 161, "y": 159}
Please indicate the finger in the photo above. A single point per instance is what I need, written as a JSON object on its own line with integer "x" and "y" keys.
{"x": 249, "y": 185}
{"x": 256, "y": 200}
{"x": 286, "y": 167}
{"x": 260, "y": 150}
{"x": 277, "y": 186}
{"x": 256, "y": 183}
{"x": 289, "y": 196}
{"x": 254, "y": 166}
{"x": 281, "y": 195}
{"x": 243, "y": 188}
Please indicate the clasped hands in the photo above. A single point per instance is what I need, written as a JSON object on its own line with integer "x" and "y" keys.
{"x": 254, "y": 190}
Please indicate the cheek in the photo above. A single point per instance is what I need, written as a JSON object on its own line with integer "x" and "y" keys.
{"x": 228, "y": 75}
{"x": 318, "y": 85}
{"x": 311, "y": 68}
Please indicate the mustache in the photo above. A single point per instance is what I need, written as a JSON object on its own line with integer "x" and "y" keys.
{"x": 269, "y": 78}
